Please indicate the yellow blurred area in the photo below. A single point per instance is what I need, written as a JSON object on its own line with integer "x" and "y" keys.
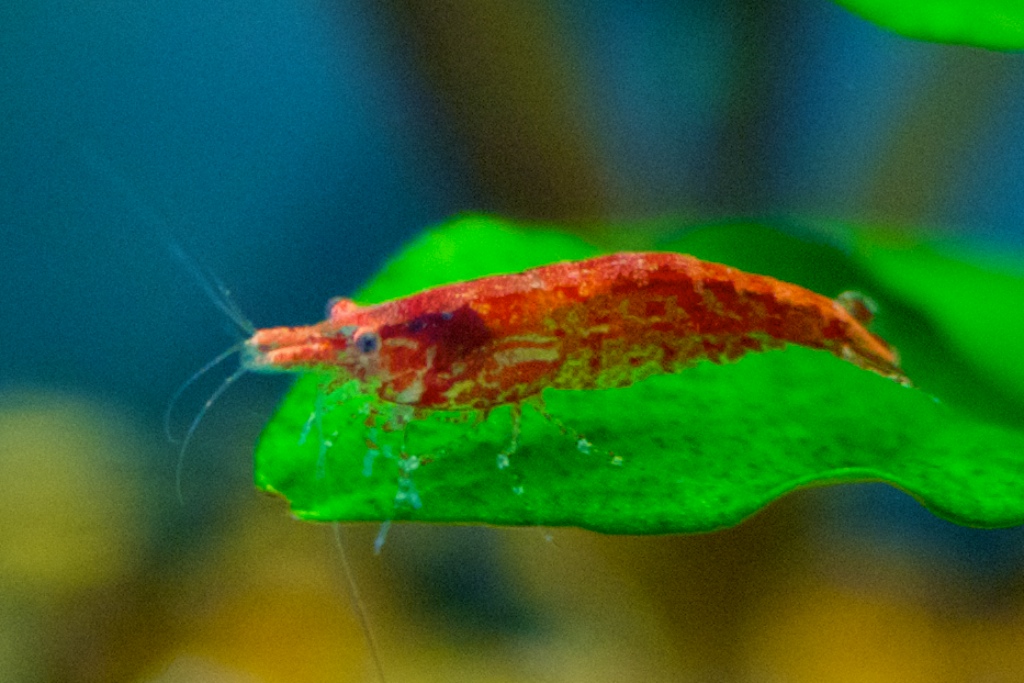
{"x": 88, "y": 593}
{"x": 73, "y": 511}
{"x": 816, "y": 630}
{"x": 74, "y": 523}
{"x": 262, "y": 603}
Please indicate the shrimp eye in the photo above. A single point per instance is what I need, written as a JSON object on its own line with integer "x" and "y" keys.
{"x": 367, "y": 342}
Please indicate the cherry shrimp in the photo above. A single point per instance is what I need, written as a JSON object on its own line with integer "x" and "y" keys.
{"x": 599, "y": 323}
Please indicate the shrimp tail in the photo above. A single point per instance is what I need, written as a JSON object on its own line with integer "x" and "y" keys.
{"x": 869, "y": 351}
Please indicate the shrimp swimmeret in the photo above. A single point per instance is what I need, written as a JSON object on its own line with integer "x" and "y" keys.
{"x": 599, "y": 323}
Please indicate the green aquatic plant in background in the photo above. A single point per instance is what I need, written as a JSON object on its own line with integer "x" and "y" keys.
{"x": 697, "y": 450}
{"x": 994, "y": 24}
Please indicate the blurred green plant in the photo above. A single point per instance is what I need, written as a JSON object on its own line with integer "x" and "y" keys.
{"x": 994, "y": 24}
{"x": 701, "y": 449}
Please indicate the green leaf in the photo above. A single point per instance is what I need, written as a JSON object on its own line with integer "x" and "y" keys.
{"x": 995, "y": 24}
{"x": 699, "y": 450}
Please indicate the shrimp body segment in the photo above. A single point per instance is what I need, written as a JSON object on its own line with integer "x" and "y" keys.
{"x": 598, "y": 323}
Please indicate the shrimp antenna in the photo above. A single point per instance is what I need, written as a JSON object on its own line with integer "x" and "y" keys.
{"x": 231, "y": 379}
{"x": 219, "y": 294}
{"x": 214, "y": 288}
{"x": 357, "y": 603}
{"x": 168, "y": 414}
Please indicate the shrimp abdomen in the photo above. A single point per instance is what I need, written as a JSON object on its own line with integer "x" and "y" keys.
{"x": 634, "y": 315}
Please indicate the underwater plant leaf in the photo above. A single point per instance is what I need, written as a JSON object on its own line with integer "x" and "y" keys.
{"x": 699, "y": 450}
{"x": 994, "y": 24}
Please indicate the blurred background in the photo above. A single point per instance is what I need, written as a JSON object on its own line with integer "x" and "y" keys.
{"x": 289, "y": 148}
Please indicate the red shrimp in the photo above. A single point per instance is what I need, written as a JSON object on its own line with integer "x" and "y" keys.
{"x": 599, "y": 323}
